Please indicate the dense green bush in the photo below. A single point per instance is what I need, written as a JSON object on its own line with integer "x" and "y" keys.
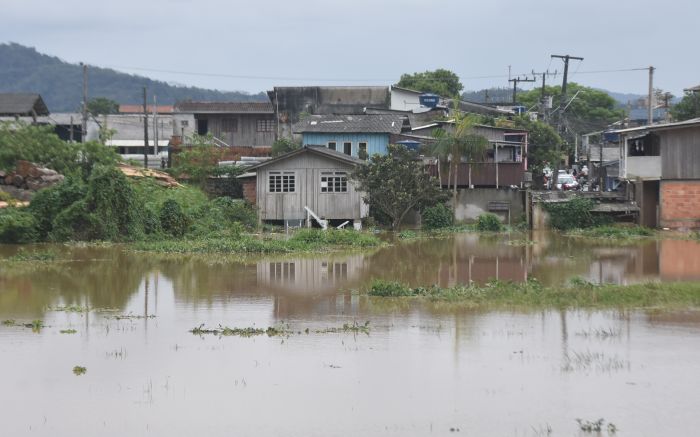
{"x": 172, "y": 219}
{"x": 438, "y": 216}
{"x": 111, "y": 210}
{"x": 489, "y": 223}
{"x": 17, "y": 226}
{"x": 48, "y": 203}
{"x": 575, "y": 213}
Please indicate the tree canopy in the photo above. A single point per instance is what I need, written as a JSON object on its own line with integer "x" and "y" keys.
{"x": 687, "y": 108}
{"x": 102, "y": 106}
{"x": 545, "y": 145}
{"x": 441, "y": 82}
{"x": 396, "y": 183}
{"x": 591, "y": 110}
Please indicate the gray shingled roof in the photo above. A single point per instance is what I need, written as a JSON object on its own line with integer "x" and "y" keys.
{"x": 225, "y": 107}
{"x": 22, "y": 104}
{"x": 384, "y": 123}
{"x": 318, "y": 150}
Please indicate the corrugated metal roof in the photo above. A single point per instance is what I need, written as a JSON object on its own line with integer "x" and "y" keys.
{"x": 677, "y": 125}
{"x": 130, "y": 127}
{"x": 225, "y": 107}
{"x": 376, "y": 123}
{"x": 693, "y": 89}
{"x": 22, "y": 104}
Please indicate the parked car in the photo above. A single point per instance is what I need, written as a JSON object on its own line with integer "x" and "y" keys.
{"x": 566, "y": 181}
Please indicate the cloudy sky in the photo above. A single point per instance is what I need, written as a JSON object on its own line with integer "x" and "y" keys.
{"x": 254, "y": 45}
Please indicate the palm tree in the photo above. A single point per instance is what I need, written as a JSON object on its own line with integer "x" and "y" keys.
{"x": 459, "y": 144}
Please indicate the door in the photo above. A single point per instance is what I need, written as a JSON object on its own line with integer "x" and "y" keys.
{"x": 202, "y": 126}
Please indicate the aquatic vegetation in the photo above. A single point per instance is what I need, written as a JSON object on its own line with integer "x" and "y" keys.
{"x": 131, "y": 316}
{"x": 533, "y": 293}
{"x": 407, "y": 235}
{"x": 79, "y": 370}
{"x": 602, "y": 333}
{"x": 68, "y": 331}
{"x": 519, "y": 243}
{"x": 24, "y": 255}
{"x": 588, "y": 426}
{"x": 614, "y": 232}
{"x": 586, "y": 361}
{"x": 225, "y": 331}
{"x": 347, "y": 327}
{"x": 489, "y": 223}
{"x": 304, "y": 240}
{"x": 35, "y": 325}
{"x": 69, "y": 309}
{"x": 9, "y": 322}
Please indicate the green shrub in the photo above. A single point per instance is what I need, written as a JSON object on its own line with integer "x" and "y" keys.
{"x": 438, "y": 216}
{"x": 111, "y": 211}
{"x": 48, "y": 203}
{"x": 17, "y": 226}
{"x": 489, "y": 223}
{"x": 389, "y": 289}
{"x": 575, "y": 213}
{"x": 172, "y": 219}
{"x": 407, "y": 235}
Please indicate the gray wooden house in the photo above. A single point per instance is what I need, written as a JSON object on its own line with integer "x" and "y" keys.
{"x": 249, "y": 124}
{"x": 309, "y": 181}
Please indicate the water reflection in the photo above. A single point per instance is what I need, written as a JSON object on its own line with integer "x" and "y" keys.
{"x": 110, "y": 277}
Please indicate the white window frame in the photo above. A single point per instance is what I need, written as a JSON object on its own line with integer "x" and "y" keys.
{"x": 359, "y": 147}
{"x": 347, "y": 142}
{"x": 281, "y": 182}
{"x": 335, "y": 145}
{"x": 334, "y": 186}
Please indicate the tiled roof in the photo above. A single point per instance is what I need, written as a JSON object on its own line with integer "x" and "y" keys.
{"x": 22, "y": 104}
{"x": 384, "y": 123}
{"x": 225, "y": 107}
{"x": 138, "y": 109}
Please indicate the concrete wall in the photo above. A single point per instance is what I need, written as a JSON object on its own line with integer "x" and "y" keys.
{"x": 644, "y": 167}
{"x": 471, "y": 203}
{"x": 680, "y": 204}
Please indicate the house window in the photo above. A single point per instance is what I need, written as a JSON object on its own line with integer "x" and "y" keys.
{"x": 334, "y": 182}
{"x": 332, "y": 145}
{"x": 184, "y": 123}
{"x": 362, "y": 149}
{"x": 265, "y": 126}
{"x": 229, "y": 125}
{"x": 347, "y": 148}
{"x": 282, "y": 182}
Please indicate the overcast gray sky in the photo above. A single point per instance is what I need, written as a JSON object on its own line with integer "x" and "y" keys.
{"x": 366, "y": 41}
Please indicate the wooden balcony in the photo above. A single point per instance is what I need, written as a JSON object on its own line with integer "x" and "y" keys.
{"x": 483, "y": 174}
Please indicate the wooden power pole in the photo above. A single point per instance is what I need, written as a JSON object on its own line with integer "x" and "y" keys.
{"x": 650, "y": 116}
{"x": 515, "y": 81}
{"x": 85, "y": 111}
{"x": 145, "y": 130}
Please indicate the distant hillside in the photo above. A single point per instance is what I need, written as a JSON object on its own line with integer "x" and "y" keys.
{"x": 23, "y": 69}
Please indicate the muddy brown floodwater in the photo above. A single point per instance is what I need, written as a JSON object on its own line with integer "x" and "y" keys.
{"x": 419, "y": 371}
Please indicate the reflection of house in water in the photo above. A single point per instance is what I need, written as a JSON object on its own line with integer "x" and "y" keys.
{"x": 311, "y": 275}
{"x": 305, "y": 286}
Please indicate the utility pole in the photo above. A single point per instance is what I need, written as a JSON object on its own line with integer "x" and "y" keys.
{"x": 515, "y": 81}
{"x": 145, "y": 130}
{"x": 562, "y": 105}
{"x": 155, "y": 126}
{"x": 85, "y": 112}
{"x": 543, "y": 103}
{"x": 562, "y": 102}
{"x": 650, "y": 117}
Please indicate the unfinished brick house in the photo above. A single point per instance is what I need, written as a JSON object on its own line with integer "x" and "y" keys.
{"x": 662, "y": 165}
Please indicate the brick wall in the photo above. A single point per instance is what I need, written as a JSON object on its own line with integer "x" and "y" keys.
{"x": 249, "y": 185}
{"x": 680, "y": 204}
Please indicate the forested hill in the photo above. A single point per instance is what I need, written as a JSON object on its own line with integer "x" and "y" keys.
{"x": 23, "y": 69}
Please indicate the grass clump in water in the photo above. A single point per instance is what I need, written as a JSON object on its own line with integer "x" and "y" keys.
{"x": 225, "y": 331}
{"x": 532, "y": 293}
{"x": 615, "y": 232}
{"x": 79, "y": 370}
{"x": 304, "y": 240}
{"x": 23, "y": 255}
{"x": 68, "y": 331}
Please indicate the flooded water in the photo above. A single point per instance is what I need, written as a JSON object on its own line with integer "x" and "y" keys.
{"x": 421, "y": 370}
